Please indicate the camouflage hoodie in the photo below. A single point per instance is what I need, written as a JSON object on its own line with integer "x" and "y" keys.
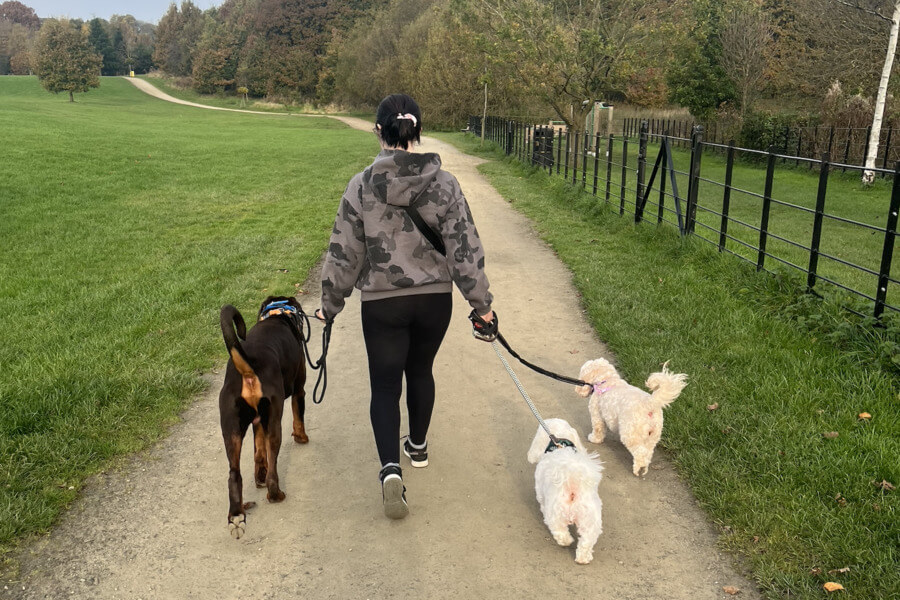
{"x": 376, "y": 247}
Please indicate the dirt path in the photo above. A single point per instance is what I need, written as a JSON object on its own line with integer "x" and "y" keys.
{"x": 156, "y": 528}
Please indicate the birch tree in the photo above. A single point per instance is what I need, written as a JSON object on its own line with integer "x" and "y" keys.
{"x": 869, "y": 175}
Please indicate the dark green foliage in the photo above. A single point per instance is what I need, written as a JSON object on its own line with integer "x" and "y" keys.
{"x": 66, "y": 61}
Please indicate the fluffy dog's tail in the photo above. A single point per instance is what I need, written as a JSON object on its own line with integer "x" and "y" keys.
{"x": 666, "y": 386}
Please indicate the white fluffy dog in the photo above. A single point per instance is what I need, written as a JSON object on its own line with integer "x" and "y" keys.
{"x": 565, "y": 481}
{"x": 630, "y": 412}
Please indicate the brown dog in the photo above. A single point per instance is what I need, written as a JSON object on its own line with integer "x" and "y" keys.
{"x": 266, "y": 366}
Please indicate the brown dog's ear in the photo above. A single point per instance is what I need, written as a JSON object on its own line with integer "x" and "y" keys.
{"x": 584, "y": 391}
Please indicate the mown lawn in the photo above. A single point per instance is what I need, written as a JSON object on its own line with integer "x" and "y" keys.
{"x": 127, "y": 222}
{"x": 794, "y": 502}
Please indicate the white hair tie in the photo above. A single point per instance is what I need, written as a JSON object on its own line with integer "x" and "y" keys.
{"x": 408, "y": 117}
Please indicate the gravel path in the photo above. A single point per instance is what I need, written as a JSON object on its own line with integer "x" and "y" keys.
{"x": 156, "y": 528}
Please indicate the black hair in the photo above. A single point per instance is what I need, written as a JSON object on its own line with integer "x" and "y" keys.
{"x": 396, "y": 131}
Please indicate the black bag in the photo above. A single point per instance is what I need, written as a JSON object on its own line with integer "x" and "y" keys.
{"x": 423, "y": 227}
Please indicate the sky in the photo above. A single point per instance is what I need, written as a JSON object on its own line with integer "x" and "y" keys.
{"x": 150, "y": 11}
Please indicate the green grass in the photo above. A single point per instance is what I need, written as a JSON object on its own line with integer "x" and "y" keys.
{"x": 786, "y": 498}
{"x": 127, "y": 223}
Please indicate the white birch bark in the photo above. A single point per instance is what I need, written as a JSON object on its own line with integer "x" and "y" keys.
{"x": 875, "y": 136}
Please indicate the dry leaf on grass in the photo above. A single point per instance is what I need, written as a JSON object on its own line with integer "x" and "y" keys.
{"x": 730, "y": 589}
{"x": 713, "y": 406}
{"x": 841, "y": 570}
{"x": 864, "y": 416}
{"x": 885, "y": 485}
{"x": 831, "y": 586}
{"x": 830, "y": 435}
{"x": 815, "y": 571}
{"x": 841, "y": 500}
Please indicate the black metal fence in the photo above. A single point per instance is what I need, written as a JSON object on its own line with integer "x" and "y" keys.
{"x": 822, "y": 224}
{"x": 848, "y": 145}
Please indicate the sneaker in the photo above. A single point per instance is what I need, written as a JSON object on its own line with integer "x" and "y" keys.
{"x": 418, "y": 457}
{"x": 393, "y": 493}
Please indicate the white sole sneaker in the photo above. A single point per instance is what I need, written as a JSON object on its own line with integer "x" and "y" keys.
{"x": 419, "y": 463}
{"x": 395, "y": 506}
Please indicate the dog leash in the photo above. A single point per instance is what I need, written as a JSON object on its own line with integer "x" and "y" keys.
{"x": 298, "y": 318}
{"x": 554, "y": 441}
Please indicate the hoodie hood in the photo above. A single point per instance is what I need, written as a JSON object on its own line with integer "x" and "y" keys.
{"x": 397, "y": 177}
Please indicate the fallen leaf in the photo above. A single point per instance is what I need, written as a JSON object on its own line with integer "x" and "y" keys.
{"x": 730, "y": 589}
{"x": 815, "y": 571}
{"x": 885, "y": 485}
{"x": 573, "y": 351}
{"x": 282, "y": 270}
{"x": 755, "y": 539}
{"x": 831, "y": 586}
{"x": 841, "y": 570}
{"x": 841, "y": 500}
{"x": 712, "y": 406}
{"x": 830, "y": 435}
{"x": 864, "y": 416}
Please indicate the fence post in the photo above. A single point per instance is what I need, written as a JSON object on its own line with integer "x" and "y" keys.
{"x": 509, "y": 138}
{"x": 609, "y": 155}
{"x": 830, "y": 140}
{"x": 888, "y": 252}
{"x": 641, "y": 166}
{"x": 568, "y": 135}
{"x": 817, "y": 223}
{"x": 694, "y": 181}
{"x": 767, "y": 205}
{"x": 815, "y": 145}
{"x": 847, "y": 150}
{"x": 596, "y": 160}
{"x": 585, "y": 145}
{"x": 726, "y": 197}
{"x": 662, "y": 177}
{"x": 624, "y": 175}
{"x": 559, "y": 150}
{"x": 575, "y": 158}
{"x": 799, "y": 142}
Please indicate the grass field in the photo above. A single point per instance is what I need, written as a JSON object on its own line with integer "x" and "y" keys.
{"x": 127, "y": 223}
{"x": 796, "y": 504}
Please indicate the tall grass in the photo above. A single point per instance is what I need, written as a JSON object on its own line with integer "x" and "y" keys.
{"x": 794, "y": 502}
{"x": 126, "y": 223}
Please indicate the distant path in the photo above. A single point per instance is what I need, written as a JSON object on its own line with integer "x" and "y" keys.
{"x": 156, "y": 529}
{"x": 154, "y": 91}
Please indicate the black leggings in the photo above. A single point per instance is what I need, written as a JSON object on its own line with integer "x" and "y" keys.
{"x": 403, "y": 335}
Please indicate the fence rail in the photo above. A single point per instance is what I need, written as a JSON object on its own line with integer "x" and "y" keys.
{"x": 820, "y": 224}
{"x": 849, "y": 145}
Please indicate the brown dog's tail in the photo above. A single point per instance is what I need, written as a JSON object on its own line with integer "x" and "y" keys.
{"x": 230, "y": 320}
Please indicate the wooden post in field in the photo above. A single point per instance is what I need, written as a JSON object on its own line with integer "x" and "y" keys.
{"x": 484, "y": 114}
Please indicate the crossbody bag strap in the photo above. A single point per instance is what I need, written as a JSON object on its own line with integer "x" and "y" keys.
{"x": 423, "y": 227}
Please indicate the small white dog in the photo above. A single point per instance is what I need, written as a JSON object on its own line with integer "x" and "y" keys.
{"x": 565, "y": 482}
{"x": 630, "y": 412}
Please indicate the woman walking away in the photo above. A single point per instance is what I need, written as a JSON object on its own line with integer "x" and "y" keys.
{"x": 403, "y": 235}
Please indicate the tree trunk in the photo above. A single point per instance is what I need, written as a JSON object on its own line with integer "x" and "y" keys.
{"x": 71, "y": 97}
{"x": 484, "y": 114}
{"x": 874, "y": 138}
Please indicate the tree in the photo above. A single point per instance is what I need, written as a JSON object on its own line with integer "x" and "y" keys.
{"x": 16, "y": 12}
{"x": 66, "y": 61}
{"x": 176, "y": 39}
{"x": 745, "y": 38}
{"x": 99, "y": 39}
{"x": 696, "y": 78}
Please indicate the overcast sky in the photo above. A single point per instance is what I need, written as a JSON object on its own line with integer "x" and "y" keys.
{"x": 146, "y": 10}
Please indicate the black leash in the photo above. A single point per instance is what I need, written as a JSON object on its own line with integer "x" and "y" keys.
{"x": 538, "y": 369}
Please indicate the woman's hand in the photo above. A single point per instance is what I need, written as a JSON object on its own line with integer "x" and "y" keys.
{"x": 320, "y": 314}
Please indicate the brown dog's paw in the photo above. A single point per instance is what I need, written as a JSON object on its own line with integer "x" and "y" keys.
{"x": 276, "y": 498}
{"x": 301, "y": 438}
{"x": 237, "y": 525}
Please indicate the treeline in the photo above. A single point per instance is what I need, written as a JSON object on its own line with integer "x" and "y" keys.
{"x": 549, "y": 58}
{"x": 123, "y": 42}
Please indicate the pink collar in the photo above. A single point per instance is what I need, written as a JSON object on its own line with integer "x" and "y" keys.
{"x": 602, "y": 390}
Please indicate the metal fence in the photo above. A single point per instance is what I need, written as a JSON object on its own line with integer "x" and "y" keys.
{"x": 821, "y": 224}
{"x": 848, "y": 145}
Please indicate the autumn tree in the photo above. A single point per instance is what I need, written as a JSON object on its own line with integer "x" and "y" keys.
{"x": 177, "y": 36}
{"x": 138, "y": 38}
{"x": 566, "y": 54}
{"x": 66, "y": 61}
{"x": 16, "y": 12}
{"x": 18, "y": 31}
